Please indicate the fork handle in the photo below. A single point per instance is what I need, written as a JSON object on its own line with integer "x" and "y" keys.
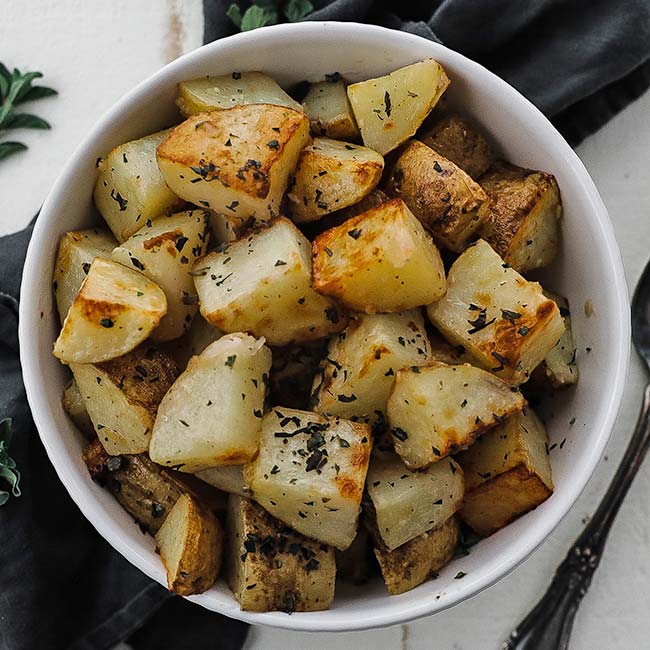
{"x": 548, "y": 625}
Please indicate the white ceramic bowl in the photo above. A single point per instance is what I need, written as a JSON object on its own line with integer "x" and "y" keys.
{"x": 589, "y": 268}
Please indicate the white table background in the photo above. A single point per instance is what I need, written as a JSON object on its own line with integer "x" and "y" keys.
{"x": 93, "y": 51}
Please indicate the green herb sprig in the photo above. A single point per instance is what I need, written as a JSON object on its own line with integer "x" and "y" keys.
{"x": 8, "y": 470}
{"x": 269, "y": 12}
{"x": 16, "y": 88}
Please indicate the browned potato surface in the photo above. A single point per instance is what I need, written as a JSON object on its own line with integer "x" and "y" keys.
{"x": 328, "y": 108}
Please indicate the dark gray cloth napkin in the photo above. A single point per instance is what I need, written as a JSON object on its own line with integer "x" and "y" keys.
{"x": 61, "y": 585}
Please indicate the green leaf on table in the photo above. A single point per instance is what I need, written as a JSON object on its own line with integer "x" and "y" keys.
{"x": 256, "y": 16}
{"x": 8, "y": 471}
{"x": 9, "y": 148}
{"x": 234, "y": 13}
{"x": 296, "y": 10}
{"x": 25, "y": 121}
{"x": 37, "y": 92}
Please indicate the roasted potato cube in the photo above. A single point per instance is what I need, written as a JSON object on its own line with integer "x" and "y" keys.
{"x": 523, "y": 222}
{"x": 411, "y": 564}
{"x": 271, "y": 567}
{"x": 358, "y": 372}
{"x": 122, "y": 396}
{"x": 227, "y": 228}
{"x": 212, "y": 414}
{"x": 75, "y": 407}
{"x": 507, "y": 473}
{"x": 115, "y": 310}
{"x": 165, "y": 250}
{"x": 458, "y": 140}
{"x": 331, "y": 175}
{"x": 354, "y": 564}
{"x": 437, "y": 410}
{"x": 505, "y": 322}
{"x": 236, "y": 161}
{"x": 440, "y": 194}
{"x": 254, "y": 284}
{"x": 229, "y": 478}
{"x": 190, "y": 543}
{"x": 225, "y": 91}
{"x": 77, "y": 250}
{"x": 130, "y": 188}
{"x": 328, "y": 109}
{"x": 390, "y": 109}
{"x": 379, "y": 261}
{"x": 445, "y": 352}
{"x": 310, "y": 473}
{"x": 404, "y": 504}
{"x": 193, "y": 342}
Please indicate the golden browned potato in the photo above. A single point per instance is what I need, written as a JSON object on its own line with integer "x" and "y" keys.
{"x": 331, "y": 175}
{"x": 440, "y": 194}
{"x": 458, "y": 140}
{"x": 229, "y": 478}
{"x": 525, "y": 209}
{"x": 199, "y": 335}
{"x": 328, "y": 108}
{"x": 77, "y": 250}
{"x": 310, "y": 473}
{"x": 262, "y": 285}
{"x": 212, "y": 414}
{"x": 411, "y": 564}
{"x": 115, "y": 310}
{"x": 236, "y": 161}
{"x": 271, "y": 567}
{"x": 190, "y": 542}
{"x": 507, "y": 473}
{"x": 379, "y": 261}
{"x": 390, "y": 109}
{"x": 122, "y": 396}
{"x": 225, "y": 91}
{"x": 75, "y": 407}
{"x": 130, "y": 188}
{"x": 437, "y": 410}
{"x": 505, "y": 322}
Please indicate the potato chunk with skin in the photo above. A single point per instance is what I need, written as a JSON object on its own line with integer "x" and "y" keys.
{"x": 271, "y": 567}
{"x": 437, "y": 410}
{"x": 75, "y": 407}
{"x": 225, "y": 91}
{"x": 77, "y": 250}
{"x": 411, "y": 564}
{"x": 229, "y": 478}
{"x": 130, "y": 188}
{"x": 236, "y": 161}
{"x": 331, "y": 175}
{"x": 328, "y": 108}
{"x": 164, "y": 251}
{"x": 358, "y": 372}
{"x": 115, "y": 310}
{"x": 390, "y": 109}
{"x": 406, "y": 504}
{"x": 212, "y": 414}
{"x": 262, "y": 285}
{"x": 507, "y": 473}
{"x": 379, "y": 261}
{"x": 505, "y": 322}
{"x": 310, "y": 473}
{"x": 440, "y": 194}
{"x": 122, "y": 396}
{"x": 525, "y": 209}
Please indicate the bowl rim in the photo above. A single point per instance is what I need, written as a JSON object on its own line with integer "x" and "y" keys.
{"x": 401, "y": 612}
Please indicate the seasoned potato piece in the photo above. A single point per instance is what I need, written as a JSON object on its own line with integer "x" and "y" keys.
{"x": 379, "y": 261}
{"x": 122, "y": 396}
{"x": 358, "y": 373}
{"x": 228, "y": 227}
{"x": 328, "y": 108}
{"x": 458, "y": 140}
{"x": 507, "y": 473}
{"x": 310, "y": 473}
{"x": 505, "y": 322}
{"x": 75, "y": 407}
{"x": 271, "y": 567}
{"x": 411, "y": 564}
{"x": 229, "y": 478}
{"x": 445, "y": 352}
{"x": 262, "y": 285}
{"x": 130, "y": 188}
{"x": 236, "y": 161}
{"x": 193, "y": 342}
{"x": 77, "y": 250}
{"x": 440, "y": 194}
{"x": 331, "y": 175}
{"x": 390, "y": 109}
{"x": 190, "y": 543}
{"x": 353, "y": 565}
{"x": 225, "y": 91}
{"x": 525, "y": 209}
{"x": 165, "y": 250}
{"x": 212, "y": 414}
{"x": 115, "y": 310}
{"x": 406, "y": 504}
{"x": 437, "y": 410}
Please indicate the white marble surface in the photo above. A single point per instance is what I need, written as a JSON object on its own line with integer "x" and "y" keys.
{"x": 93, "y": 51}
